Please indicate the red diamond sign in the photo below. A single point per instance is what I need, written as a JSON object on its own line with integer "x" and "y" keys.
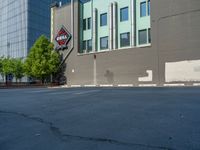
{"x": 63, "y": 37}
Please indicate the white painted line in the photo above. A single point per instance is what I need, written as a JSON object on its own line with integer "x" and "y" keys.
{"x": 196, "y": 84}
{"x": 55, "y": 87}
{"x": 106, "y": 85}
{"x": 64, "y": 86}
{"x": 125, "y": 85}
{"x": 89, "y": 85}
{"x": 178, "y": 84}
{"x": 147, "y": 85}
{"x": 75, "y": 85}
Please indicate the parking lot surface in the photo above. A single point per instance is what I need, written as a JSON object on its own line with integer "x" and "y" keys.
{"x": 100, "y": 119}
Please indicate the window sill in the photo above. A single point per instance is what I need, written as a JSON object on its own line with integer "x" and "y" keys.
{"x": 144, "y": 45}
{"x": 123, "y": 21}
{"x": 141, "y": 17}
{"x": 125, "y": 47}
{"x": 108, "y": 50}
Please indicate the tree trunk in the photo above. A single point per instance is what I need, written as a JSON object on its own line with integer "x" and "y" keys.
{"x": 43, "y": 80}
{"x": 6, "y": 79}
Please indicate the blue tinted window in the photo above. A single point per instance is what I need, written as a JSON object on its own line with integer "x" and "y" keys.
{"x": 149, "y": 35}
{"x": 143, "y": 9}
{"x": 149, "y": 7}
{"x": 89, "y": 45}
{"x": 103, "y": 19}
{"x": 84, "y": 46}
{"x": 104, "y": 43}
{"x": 124, "y": 14}
{"x": 125, "y": 39}
{"x": 22, "y": 24}
{"x": 143, "y": 36}
{"x": 84, "y": 24}
{"x": 89, "y": 23}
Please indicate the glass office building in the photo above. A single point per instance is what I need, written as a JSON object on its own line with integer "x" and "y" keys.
{"x": 21, "y": 23}
{"x": 13, "y": 28}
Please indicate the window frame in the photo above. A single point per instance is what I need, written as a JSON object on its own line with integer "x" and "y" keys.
{"x": 102, "y": 48}
{"x": 101, "y": 20}
{"x": 89, "y": 23}
{"x": 84, "y": 46}
{"x": 139, "y": 31}
{"x": 121, "y": 18}
{"x": 89, "y": 50}
{"x": 149, "y": 35}
{"x": 149, "y": 7}
{"x": 128, "y": 45}
{"x": 141, "y": 12}
{"x": 84, "y": 24}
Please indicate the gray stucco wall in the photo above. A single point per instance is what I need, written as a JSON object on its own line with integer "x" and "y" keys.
{"x": 173, "y": 57}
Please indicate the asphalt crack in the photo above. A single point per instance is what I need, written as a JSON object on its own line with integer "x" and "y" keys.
{"x": 66, "y": 137}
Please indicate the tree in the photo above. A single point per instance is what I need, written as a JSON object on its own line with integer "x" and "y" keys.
{"x": 42, "y": 60}
{"x": 1, "y": 67}
{"x": 7, "y": 67}
{"x": 18, "y": 70}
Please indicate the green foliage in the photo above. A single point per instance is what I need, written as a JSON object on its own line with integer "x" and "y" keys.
{"x": 1, "y": 67}
{"x": 7, "y": 66}
{"x": 1, "y": 64}
{"x": 42, "y": 60}
{"x": 18, "y": 70}
{"x": 11, "y": 66}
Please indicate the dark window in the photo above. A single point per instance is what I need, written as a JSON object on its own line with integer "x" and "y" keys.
{"x": 104, "y": 43}
{"x": 89, "y": 23}
{"x": 143, "y": 9}
{"x": 84, "y": 46}
{"x": 125, "y": 39}
{"x": 89, "y": 45}
{"x": 124, "y": 14}
{"x": 149, "y": 35}
{"x": 103, "y": 19}
{"x": 143, "y": 37}
{"x": 149, "y": 7}
{"x": 84, "y": 24}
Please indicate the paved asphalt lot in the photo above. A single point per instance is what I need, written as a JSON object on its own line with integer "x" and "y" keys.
{"x": 100, "y": 119}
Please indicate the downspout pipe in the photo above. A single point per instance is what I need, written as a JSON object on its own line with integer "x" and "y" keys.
{"x": 111, "y": 26}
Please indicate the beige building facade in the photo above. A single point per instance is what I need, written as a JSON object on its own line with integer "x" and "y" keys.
{"x": 171, "y": 58}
